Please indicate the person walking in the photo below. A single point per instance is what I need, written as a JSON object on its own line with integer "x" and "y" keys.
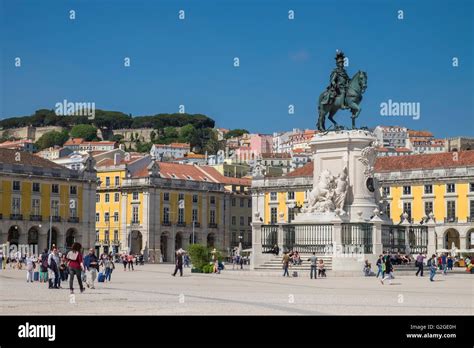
{"x": 444, "y": 263}
{"x": 75, "y": 264}
{"x": 313, "y": 259}
{"x": 124, "y": 261}
{"x": 53, "y": 265}
{"x": 108, "y": 267}
{"x": 286, "y": 264}
{"x": 91, "y": 265}
{"x": 433, "y": 267}
{"x": 379, "y": 265}
{"x": 178, "y": 264}
{"x": 130, "y": 262}
{"x": 419, "y": 264}
{"x": 388, "y": 271}
{"x": 30, "y": 268}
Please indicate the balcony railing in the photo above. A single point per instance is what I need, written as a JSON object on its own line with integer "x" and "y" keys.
{"x": 116, "y": 241}
{"x": 165, "y": 223}
{"x": 468, "y": 219}
{"x": 450, "y": 220}
{"x": 135, "y": 222}
{"x": 1, "y": 216}
{"x": 73, "y": 219}
{"x": 212, "y": 225}
{"x": 34, "y": 217}
{"x": 55, "y": 218}
{"x": 197, "y": 224}
{"x": 181, "y": 224}
{"x": 16, "y": 216}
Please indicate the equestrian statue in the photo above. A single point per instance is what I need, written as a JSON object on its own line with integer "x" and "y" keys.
{"x": 342, "y": 93}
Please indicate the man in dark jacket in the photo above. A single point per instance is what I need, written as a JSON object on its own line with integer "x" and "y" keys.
{"x": 179, "y": 264}
{"x": 388, "y": 271}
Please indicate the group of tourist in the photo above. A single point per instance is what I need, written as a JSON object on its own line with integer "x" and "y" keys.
{"x": 294, "y": 258}
{"x": 53, "y": 267}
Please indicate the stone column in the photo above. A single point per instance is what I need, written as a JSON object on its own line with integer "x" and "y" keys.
{"x": 337, "y": 233}
{"x": 431, "y": 248}
{"x": 280, "y": 237}
{"x": 145, "y": 224}
{"x": 204, "y": 212}
{"x": 256, "y": 244}
{"x": 377, "y": 247}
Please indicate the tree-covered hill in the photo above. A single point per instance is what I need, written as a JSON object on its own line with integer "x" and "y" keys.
{"x": 108, "y": 120}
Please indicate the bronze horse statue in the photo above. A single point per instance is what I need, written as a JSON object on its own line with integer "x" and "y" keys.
{"x": 354, "y": 91}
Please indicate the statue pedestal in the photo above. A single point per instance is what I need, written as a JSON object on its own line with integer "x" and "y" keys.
{"x": 333, "y": 152}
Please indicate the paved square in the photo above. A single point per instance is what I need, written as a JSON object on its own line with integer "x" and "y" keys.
{"x": 151, "y": 289}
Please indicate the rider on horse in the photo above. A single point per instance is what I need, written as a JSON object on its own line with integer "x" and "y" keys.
{"x": 339, "y": 82}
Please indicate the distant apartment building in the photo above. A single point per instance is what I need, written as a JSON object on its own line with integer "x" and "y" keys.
{"x": 391, "y": 136}
{"x": 393, "y": 151}
{"x": 299, "y": 158}
{"x": 280, "y": 138}
{"x": 54, "y": 152}
{"x": 169, "y": 151}
{"x": 82, "y": 146}
{"x": 20, "y": 145}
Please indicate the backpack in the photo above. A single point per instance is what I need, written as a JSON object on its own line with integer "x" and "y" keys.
{"x": 44, "y": 261}
{"x": 429, "y": 263}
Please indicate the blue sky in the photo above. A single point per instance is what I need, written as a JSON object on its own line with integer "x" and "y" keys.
{"x": 282, "y": 61}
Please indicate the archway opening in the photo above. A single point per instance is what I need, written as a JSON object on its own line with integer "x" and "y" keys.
{"x": 210, "y": 240}
{"x": 14, "y": 235}
{"x": 164, "y": 247}
{"x": 136, "y": 242}
{"x": 71, "y": 235}
{"x": 451, "y": 237}
{"x": 178, "y": 241}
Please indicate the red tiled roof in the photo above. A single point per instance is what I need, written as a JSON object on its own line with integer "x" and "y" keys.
{"x": 306, "y": 170}
{"x": 415, "y": 133}
{"x": 402, "y": 149}
{"x": 425, "y": 161}
{"x": 9, "y": 156}
{"x": 170, "y": 170}
{"x": 74, "y": 141}
{"x": 226, "y": 180}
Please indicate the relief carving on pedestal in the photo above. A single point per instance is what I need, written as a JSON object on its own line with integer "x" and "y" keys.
{"x": 329, "y": 194}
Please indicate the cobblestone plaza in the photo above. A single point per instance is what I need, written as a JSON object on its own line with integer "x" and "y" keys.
{"x": 151, "y": 290}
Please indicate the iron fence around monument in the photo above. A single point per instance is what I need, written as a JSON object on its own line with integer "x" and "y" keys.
{"x": 357, "y": 236}
{"x": 269, "y": 237}
{"x": 307, "y": 238}
{"x": 418, "y": 239}
{"x": 393, "y": 239}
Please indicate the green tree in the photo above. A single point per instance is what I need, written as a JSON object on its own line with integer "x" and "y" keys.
{"x": 52, "y": 138}
{"x": 199, "y": 255}
{"x": 187, "y": 133}
{"x": 143, "y": 147}
{"x": 235, "y": 133}
{"x": 84, "y": 131}
{"x": 170, "y": 132}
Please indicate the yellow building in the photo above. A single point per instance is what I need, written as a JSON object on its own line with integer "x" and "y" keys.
{"x": 42, "y": 203}
{"x": 441, "y": 184}
{"x": 154, "y": 208}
